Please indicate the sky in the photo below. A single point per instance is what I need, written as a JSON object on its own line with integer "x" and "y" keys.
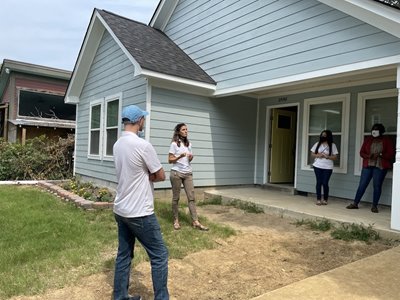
{"x": 50, "y": 32}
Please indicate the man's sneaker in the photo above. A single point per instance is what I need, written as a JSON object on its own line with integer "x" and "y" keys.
{"x": 374, "y": 209}
{"x": 352, "y": 206}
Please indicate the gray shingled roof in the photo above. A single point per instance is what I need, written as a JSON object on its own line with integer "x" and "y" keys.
{"x": 153, "y": 50}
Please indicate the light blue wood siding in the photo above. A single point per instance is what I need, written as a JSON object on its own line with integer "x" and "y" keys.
{"x": 222, "y": 132}
{"x": 341, "y": 185}
{"x": 248, "y": 41}
{"x": 111, "y": 73}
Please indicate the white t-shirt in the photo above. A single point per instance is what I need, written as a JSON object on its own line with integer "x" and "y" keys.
{"x": 324, "y": 163}
{"x": 134, "y": 159}
{"x": 183, "y": 164}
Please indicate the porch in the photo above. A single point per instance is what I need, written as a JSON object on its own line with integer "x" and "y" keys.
{"x": 280, "y": 200}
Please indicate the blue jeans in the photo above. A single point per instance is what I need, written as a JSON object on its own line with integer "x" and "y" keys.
{"x": 147, "y": 231}
{"x": 378, "y": 175}
{"x": 322, "y": 176}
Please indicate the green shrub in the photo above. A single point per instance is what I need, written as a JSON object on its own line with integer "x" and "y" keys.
{"x": 40, "y": 158}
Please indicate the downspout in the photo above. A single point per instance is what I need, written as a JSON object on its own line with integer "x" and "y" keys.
{"x": 147, "y": 128}
{"x": 395, "y": 209}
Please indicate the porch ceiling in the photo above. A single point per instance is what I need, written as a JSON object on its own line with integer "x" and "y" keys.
{"x": 348, "y": 79}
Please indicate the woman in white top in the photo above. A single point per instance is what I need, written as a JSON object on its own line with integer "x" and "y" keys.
{"x": 324, "y": 152}
{"x": 180, "y": 155}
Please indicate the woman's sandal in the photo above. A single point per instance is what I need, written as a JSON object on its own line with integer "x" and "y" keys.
{"x": 199, "y": 227}
{"x": 177, "y": 226}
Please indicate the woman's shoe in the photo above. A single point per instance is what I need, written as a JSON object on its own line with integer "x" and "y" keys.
{"x": 324, "y": 202}
{"x": 177, "y": 226}
{"x": 374, "y": 209}
{"x": 352, "y": 206}
{"x": 318, "y": 202}
{"x": 197, "y": 225}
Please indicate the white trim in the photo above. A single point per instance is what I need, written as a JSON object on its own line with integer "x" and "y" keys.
{"x": 267, "y": 139}
{"x": 256, "y": 142}
{"x": 179, "y": 80}
{"x": 138, "y": 68}
{"x": 395, "y": 209}
{"x": 91, "y": 104}
{"x": 343, "y": 151}
{"x": 106, "y": 100}
{"x": 147, "y": 128}
{"x": 281, "y": 82}
{"x": 371, "y": 12}
{"x": 361, "y": 101}
{"x": 163, "y": 14}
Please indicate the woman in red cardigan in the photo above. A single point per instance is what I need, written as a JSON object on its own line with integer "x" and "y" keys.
{"x": 377, "y": 152}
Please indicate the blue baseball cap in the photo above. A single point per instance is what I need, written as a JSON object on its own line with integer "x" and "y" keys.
{"x": 133, "y": 113}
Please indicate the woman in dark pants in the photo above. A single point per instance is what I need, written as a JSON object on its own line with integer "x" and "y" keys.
{"x": 324, "y": 153}
{"x": 377, "y": 152}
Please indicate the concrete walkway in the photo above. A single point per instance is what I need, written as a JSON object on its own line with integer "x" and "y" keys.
{"x": 375, "y": 277}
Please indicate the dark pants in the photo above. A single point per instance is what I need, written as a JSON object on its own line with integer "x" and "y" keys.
{"x": 322, "y": 176}
{"x": 147, "y": 231}
{"x": 378, "y": 175}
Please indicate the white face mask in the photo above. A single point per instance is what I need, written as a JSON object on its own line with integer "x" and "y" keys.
{"x": 375, "y": 133}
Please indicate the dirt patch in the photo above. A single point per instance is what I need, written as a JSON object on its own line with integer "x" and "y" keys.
{"x": 268, "y": 252}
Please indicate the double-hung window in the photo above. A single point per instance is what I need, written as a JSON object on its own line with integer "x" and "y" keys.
{"x": 330, "y": 112}
{"x": 375, "y": 107}
{"x": 104, "y": 126}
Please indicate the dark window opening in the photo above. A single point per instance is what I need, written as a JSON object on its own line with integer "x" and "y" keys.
{"x": 40, "y": 105}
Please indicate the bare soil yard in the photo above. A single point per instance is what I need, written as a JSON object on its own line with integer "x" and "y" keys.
{"x": 267, "y": 253}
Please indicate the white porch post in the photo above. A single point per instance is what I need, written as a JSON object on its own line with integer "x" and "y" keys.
{"x": 395, "y": 217}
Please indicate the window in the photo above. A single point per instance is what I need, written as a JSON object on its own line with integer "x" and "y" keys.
{"x": 104, "y": 126}
{"x": 375, "y": 107}
{"x": 44, "y": 105}
{"x": 331, "y": 112}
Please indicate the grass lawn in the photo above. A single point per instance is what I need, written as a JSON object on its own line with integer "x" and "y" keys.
{"x": 46, "y": 243}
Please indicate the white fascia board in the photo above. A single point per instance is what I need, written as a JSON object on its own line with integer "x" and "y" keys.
{"x": 85, "y": 58}
{"x": 178, "y": 80}
{"x": 274, "y": 83}
{"x": 163, "y": 14}
{"x": 371, "y": 12}
{"x": 138, "y": 68}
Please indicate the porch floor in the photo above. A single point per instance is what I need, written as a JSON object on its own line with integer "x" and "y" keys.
{"x": 285, "y": 204}
{"x": 356, "y": 280}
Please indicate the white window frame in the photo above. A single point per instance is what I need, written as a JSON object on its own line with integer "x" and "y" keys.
{"x": 343, "y": 151}
{"x": 361, "y": 103}
{"x": 95, "y": 103}
{"x": 103, "y": 126}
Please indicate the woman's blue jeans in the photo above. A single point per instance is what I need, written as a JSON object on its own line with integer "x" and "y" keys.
{"x": 147, "y": 231}
{"x": 322, "y": 176}
{"x": 378, "y": 175}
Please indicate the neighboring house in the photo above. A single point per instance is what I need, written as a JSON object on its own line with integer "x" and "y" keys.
{"x": 32, "y": 102}
{"x": 256, "y": 82}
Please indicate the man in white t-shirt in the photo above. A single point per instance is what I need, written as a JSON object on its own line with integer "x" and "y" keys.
{"x": 137, "y": 167}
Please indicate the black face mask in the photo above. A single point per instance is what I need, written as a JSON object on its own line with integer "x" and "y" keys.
{"x": 323, "y": 139}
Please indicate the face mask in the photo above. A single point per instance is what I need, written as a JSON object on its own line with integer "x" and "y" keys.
{"x": 375, "y": 133}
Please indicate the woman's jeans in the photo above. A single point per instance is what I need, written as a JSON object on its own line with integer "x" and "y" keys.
{"x": 322, "y": 176}
{"x": 177, "y": 179}
{"x": 378, "y": 175}
{"x": 147, "y": 231}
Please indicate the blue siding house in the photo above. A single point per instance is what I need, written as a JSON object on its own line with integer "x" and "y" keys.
{"x": 255, "y": 81}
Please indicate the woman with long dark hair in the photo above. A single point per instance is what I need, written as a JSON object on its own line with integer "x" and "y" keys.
{"x": 324, "y": 153}
{"x": 180, "y": 155}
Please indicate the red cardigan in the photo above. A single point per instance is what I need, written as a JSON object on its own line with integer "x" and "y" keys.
{"x": 388, "y": 151}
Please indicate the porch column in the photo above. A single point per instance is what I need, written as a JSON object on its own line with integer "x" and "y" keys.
{"x": 395, "y": 217}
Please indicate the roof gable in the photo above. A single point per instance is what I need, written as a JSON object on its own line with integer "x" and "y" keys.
{"x": 151, "y": 52}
